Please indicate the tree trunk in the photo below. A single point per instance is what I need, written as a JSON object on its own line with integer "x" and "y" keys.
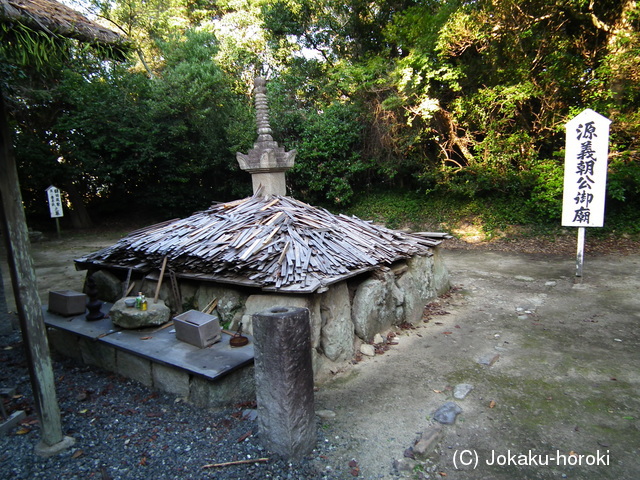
{"x": 79, "y": 214}
{"x": 624, "y": 72}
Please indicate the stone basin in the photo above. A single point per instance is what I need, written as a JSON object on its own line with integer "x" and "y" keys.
{"x": 131, "y": 317}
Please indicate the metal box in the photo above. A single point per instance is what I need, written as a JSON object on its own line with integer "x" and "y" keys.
{"x": 67, "y": 302}
{"x": 197, "y": 328}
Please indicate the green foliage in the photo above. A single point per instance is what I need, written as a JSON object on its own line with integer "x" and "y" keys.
{"x": 492, "y": 216}
{"x": 158, "y": 146}
{"x": 464, "y": 101}
{"x": 329, "y": 166}
{"x": 545, "y": 198}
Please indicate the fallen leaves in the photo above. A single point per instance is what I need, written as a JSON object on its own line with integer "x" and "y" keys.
{"x": 492, "y": 404}
{"x": 355, "y": 468}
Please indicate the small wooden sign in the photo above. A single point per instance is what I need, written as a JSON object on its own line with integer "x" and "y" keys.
{"x": 585, "y": 170}
{"x": 55, "y": 202}
{"x": 585, "y": 175}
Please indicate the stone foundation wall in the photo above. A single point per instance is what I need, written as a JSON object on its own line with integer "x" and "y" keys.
{"x": 347, "y": 314}
{"x": 236, "y": 387}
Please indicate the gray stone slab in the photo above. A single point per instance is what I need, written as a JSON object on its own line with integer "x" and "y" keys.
{"x": 159, "y": 346}
{"x": 14, "y": 419}
{"x": 79, "y": 325}
{"x": 162, "y": 347}
{"x": 447, "y": 413}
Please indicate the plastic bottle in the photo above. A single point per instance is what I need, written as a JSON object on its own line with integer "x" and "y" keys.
{"x": 143, "y": 303}
{"x": 139, "y": 301}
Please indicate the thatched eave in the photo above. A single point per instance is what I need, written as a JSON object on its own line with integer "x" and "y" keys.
{"x": 55, "y": 18}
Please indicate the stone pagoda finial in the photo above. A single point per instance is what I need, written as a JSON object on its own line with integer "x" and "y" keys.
{"x": 266, "y": 161}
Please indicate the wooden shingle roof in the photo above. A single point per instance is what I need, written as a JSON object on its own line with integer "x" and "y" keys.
{"x": 271, "y": 242}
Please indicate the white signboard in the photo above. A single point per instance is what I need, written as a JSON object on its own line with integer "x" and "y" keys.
{"x": 585, "y": 170}
{"x": 55, "y": 202}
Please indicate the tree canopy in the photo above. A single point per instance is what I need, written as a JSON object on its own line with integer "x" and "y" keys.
{"x": 443, "y": 97}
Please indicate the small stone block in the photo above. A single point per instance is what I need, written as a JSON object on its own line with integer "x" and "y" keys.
{"x": 427, "y": 442}
{"x": 67, "y": 302}
{"x": 7, "y": 392}
{"x": 134, "y": 367}
{"x": 326, "y": 414}
{"x": 368, "y": 350}
{"x": 250, "y": 414}
{"x": 404, "y": 464}
{"x": 170, "y": 380}
{"x": 489, "y": 359}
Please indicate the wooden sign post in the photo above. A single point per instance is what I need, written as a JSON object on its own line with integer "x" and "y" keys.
{"x": 585, "y": 175}
{"x": 55, "y": 205}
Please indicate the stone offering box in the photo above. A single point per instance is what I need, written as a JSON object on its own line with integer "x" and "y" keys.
{"x": 197, "y": 328}
{"x": 67, "y": 302}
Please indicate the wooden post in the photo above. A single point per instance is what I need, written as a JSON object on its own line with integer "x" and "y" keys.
{"x": 580, "y": 252}
{"x": 15, "y": 233}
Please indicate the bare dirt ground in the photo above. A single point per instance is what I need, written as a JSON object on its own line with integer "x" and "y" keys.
{"x": 564, "y": 389}
{"x": 565, "y": 382}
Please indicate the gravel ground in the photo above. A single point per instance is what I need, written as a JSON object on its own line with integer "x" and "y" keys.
{"x": 123, "y": 430}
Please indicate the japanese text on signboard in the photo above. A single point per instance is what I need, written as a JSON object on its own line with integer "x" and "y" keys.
{"x": 55, "y": 202}
{"x": 585, "y": 174}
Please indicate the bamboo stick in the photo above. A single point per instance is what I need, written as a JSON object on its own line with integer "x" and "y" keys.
{"x": 236, "y": 462}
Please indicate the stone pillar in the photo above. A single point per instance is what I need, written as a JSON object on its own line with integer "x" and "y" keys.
{"x": 284, "y": 381}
